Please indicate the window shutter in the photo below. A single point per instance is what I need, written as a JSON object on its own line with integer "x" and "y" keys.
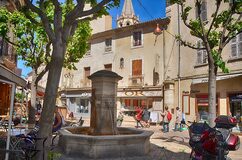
{"x": 199, "y": 56}
{"x": 233, "y": 50}
{"x": 204, "y": 11}
{"x": 137, "y": 67}
{"x": 234, "y": 47}
{"x": 204, "y": 58}
{"x": 199, "y": 53}
{"x": 5, "y": 48}
{"x": 240, "y": 45}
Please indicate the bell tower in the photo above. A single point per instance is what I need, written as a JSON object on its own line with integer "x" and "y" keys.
{"x": 127, "y": 16}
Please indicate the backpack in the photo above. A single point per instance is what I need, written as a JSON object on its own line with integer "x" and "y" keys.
{"x": 169, "y": 116}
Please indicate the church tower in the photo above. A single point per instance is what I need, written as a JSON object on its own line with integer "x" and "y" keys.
{"x": 127, "y": 17}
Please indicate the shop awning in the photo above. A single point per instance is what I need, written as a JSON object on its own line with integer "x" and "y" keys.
{"x": 40, "y": 91}
{"x": 218, "y": 78}
{"x": 8, "y": 75}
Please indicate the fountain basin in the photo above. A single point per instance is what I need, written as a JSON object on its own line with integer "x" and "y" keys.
{"x": 130, "y": 142}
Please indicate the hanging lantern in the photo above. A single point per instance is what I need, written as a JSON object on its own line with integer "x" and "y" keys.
{"x": 157, "y": 31}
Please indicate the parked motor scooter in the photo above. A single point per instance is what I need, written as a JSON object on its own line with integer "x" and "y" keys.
{"x": 213, "y": 143}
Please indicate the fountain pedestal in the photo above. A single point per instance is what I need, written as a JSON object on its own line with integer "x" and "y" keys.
{"x": 103, "y": 103}
{"x": 103, "y": 140}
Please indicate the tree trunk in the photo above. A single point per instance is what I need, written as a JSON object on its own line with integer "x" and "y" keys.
{"x": 32, "y": 108}
{"x": 47, "y": 115}
{"x": 212, "y": 94}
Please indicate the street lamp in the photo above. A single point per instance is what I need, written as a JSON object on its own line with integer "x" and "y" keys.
{"x": 157, "y": 31}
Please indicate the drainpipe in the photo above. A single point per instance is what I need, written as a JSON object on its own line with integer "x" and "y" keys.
{"x": 179, "y": 56}
{"x": 164, "y": 65}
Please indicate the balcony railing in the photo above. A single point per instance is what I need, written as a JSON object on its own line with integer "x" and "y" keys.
{"x": 137, "y": 80}
{"x": 137, "y": 43}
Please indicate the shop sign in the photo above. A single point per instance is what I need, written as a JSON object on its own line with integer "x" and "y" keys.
{"x": 140, "y": 94}
{"x": 134, "y": 93}
{"x": 84, "y": 94}
{"x": 236, "y": 98}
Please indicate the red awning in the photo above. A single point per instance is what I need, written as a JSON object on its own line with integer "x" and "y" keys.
{"x": 40, "y": 94}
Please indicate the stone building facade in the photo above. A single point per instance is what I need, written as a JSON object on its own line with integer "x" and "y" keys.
{"x": 134, "y": 52}
{"x": 192, "y": 96}
{"x": 150, "y": 65}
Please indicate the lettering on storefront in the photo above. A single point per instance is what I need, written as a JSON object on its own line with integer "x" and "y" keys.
{"x": 85, "y": 94}
{"x": 134, "y": 93}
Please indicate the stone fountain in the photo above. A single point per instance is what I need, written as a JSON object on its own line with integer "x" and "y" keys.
{"x": 103, "y": 140}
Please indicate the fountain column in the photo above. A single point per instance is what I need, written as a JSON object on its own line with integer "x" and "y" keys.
{"x": 103, "y": 102}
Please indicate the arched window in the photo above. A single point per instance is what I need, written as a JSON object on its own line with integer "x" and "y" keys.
{"x": 121, "y": 63}
{"x": 121, "y": 24}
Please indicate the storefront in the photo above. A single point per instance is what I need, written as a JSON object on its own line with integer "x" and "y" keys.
{"x": 202, "y": 110}
{"x": 131, "y": 99}
{"x": 235, "y": 108}
{"x": 77, "y": 102}
{"x": 7, "y": 78}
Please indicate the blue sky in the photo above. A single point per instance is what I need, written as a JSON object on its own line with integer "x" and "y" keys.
{"x": 145, "y": 9}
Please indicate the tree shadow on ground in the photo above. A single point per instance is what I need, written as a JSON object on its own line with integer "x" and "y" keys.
{"x": 175, "y": 139}
{"x": 162, "y": 153}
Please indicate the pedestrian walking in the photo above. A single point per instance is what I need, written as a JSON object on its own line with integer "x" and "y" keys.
{"x": 146, "y": 117}
{"x": 167, "y": 116}
{"x": 138, "y": 117}
{"x": 120, "y": 119}
{"x": 178, "y": 125}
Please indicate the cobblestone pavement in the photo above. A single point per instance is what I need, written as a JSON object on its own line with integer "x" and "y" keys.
{"x": 173, "y": 145}
{"x": 167, "y": 146}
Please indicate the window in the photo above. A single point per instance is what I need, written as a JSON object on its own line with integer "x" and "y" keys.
{"x": 127, "y": 23}
{"x": 86, "y": 72}
{"x": 120, "y": 24}
{"x": 108, "y": 45}
{"x": 108, "y": 67}
{"x": 79, "y": 105}
{"x": 137, "y": 38}
{"x": 201, "y": 54}
{"x": 121, "y": 63}
{"x": 236, "y": 46}
{"x": 203, "y": 11}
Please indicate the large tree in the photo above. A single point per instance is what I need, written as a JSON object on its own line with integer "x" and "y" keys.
{"x": 60, "y": 29}
{"x": 33, "y": 46}
{"x": 223, "y": 25}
